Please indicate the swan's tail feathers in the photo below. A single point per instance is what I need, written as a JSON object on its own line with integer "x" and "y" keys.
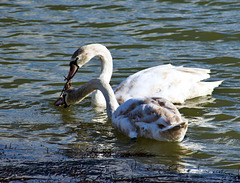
{"x": 217, "y": 83}
{"x": 175, "y": 132}
{"x": 203, "y": 88}
{"x": 206, "y": 88}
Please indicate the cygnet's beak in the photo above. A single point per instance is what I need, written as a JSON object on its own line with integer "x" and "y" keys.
{"x": 61, "y": 101}
{"x": 73, "y": 70}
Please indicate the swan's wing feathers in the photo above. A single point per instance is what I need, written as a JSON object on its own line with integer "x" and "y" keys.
{"x": 163, "y": 75}
{"x": 175, "y": 83}
{"x": 149, "y": 110}
{"x": 154, "y": 118}
{"x": 197, "y": 74}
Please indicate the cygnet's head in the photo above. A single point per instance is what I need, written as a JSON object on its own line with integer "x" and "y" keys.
{"x": 67, "y": 98}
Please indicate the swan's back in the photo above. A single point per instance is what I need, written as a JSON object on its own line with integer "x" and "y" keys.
{"x": 154, "y": 118}
{"x": 173, "y": 83}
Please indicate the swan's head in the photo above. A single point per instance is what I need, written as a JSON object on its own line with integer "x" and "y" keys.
{"x": 67, "y": 98}
{"x": 82, "y": 55}
{"x": 72, "y": 96}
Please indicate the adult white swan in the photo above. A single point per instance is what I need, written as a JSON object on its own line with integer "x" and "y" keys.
{"x": 152, "y": 117}
{"x": 176, "y": 84}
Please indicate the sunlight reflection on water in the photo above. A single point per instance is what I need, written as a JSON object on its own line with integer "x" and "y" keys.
{"x": 38, "y": 39}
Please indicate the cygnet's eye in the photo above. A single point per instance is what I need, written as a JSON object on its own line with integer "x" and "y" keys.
{"x": 65, "y": 101}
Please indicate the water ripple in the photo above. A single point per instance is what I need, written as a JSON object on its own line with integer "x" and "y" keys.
{"x": 38, "y": 39}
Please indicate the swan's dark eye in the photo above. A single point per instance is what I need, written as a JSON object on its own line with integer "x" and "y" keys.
{"x": 64, "y": 98}
{"x": 73, "y": 62}
{"x": 76, "y": 60}
{"x": 65, "y": 103}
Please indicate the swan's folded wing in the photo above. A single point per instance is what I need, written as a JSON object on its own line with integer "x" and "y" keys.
{"x": 173, "y": 83}
{"x": 154, "y": 118}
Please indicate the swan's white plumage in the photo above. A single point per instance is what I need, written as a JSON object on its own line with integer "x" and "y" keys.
{"x": 152, "y": 117}
{"x": 175, "y": 83}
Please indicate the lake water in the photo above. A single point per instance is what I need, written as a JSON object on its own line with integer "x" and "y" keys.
{"x": 39, "y": 140}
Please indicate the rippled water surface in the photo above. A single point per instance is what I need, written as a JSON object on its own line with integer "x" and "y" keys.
{"x": 37, "y": 40}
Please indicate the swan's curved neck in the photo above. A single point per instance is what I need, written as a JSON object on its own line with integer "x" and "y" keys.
{"x": 106, "y": 66}
{"x": 101, "y": 85}
{"x": 106, "y": 60}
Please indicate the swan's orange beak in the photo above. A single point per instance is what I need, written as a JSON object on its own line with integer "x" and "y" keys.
{"x": 73, "y": 70}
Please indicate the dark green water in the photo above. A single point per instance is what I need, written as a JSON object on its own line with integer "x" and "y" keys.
{"x": 36, "y": 43}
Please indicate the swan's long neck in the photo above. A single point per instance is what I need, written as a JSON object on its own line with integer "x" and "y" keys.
{"x": 109, "y": 95}
{"x": 82, "y": 92}
{"x": 106, "y": 60}
{"x": 106, "y": 66}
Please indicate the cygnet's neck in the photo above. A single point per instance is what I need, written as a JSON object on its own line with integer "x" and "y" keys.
{"x": 75, "y": 96}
